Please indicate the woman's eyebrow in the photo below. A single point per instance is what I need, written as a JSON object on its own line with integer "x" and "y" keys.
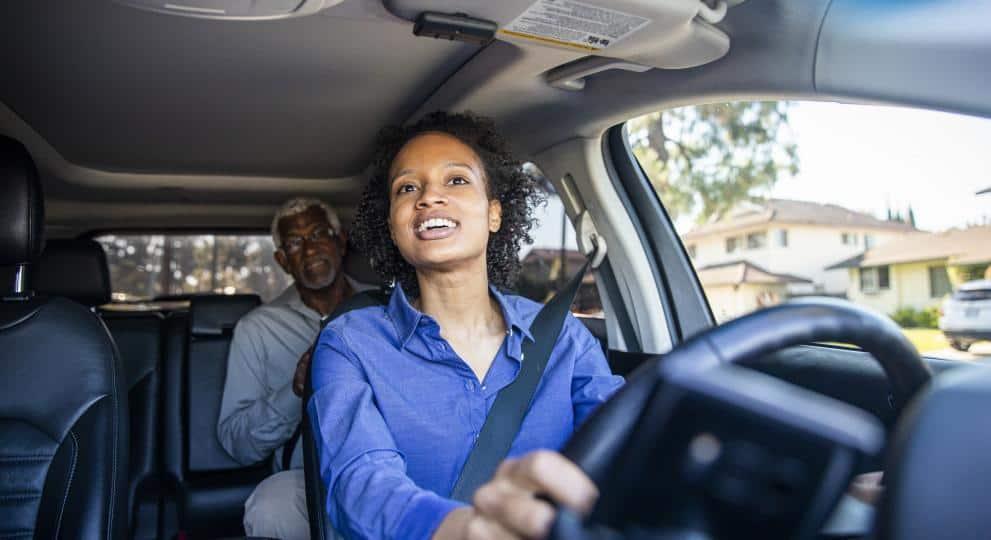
{"x": 460, "y": 164}
{"x": 401, "y": 173}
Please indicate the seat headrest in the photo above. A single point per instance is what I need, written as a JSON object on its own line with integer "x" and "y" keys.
{"x": 22, "y": 211}
{"x": 216, "y": 315}
{"x": 358, "y": 267}
{"x": 75, "y": 269}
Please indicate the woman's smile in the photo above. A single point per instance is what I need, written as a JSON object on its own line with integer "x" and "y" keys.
{"x": 435, "y": 227}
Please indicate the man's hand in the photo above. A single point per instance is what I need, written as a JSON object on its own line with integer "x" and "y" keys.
{"x": 302, "y": 369}
{"x": 507, "y": 506}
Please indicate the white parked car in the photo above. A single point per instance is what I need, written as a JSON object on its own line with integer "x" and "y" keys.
{"x": 966, "y": 316}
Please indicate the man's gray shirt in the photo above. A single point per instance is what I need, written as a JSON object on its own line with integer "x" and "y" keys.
{"x": 259, "y": 411}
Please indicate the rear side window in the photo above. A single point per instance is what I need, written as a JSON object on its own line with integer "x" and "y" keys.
{"x": 145, "y": 267}
{"x": 553, "y": 258}
{"x": 886, "y": 207}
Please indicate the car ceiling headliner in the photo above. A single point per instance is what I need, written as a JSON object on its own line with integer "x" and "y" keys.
{"x": 120, "y": 89}
{"x": 146, "y": 120}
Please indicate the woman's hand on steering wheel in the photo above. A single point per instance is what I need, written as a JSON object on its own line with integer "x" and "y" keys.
{"x": 513, "y": 504}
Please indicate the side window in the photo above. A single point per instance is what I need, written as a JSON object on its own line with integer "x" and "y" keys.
{"x": 553, "y": 258}
{"x": 778, "y": 200}
{"x": 148, "y": 267}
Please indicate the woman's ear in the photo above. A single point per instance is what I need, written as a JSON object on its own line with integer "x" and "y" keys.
{"x": 495, "y": 215}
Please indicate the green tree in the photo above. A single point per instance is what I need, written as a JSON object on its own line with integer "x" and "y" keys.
{"x": 706, "y": 159}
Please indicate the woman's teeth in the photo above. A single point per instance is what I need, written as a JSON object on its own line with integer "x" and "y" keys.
{"x": 436, "y": 223}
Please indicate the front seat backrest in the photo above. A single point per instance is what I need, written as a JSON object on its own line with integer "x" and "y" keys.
{"x": 77, "y": 269}
{"x": 63, "y": 420}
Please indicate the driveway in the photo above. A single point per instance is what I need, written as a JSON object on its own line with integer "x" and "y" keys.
{"x": 979, "y": 352}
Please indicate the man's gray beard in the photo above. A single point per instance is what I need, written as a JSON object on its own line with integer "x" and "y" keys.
{"x": 331, "y": 276}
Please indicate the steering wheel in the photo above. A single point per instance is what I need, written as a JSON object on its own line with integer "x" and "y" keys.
{"x": 693, "y": 444}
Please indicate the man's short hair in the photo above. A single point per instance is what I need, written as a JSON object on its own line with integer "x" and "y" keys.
{"x": 299, "y": 205}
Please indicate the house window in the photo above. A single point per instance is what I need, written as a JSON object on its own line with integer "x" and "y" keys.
{"x": 691, "y": 251}
{"x": 730, "y": 245}
{"x": 868, "y": 241}
{"x": 783, "y": 237}
{"x": 756, "y": 240}
{"x": 874, "y": 279}
{"x": 848, "y": 239}
{"x": 939, "y": 282}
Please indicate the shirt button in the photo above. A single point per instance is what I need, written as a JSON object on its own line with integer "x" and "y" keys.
{"x": 484, "y": 387}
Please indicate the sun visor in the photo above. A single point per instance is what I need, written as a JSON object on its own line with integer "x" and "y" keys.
{"x": 666, "y": 34}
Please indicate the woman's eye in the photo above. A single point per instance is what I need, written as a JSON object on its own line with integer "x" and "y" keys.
{"x": 459, "y": 180}
{"x": 406, "y": 188}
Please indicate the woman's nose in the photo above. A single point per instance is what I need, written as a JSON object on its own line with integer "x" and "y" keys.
{"x": 431, "y": 195}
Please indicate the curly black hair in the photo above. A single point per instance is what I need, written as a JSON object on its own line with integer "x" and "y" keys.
{"x": 505, "y": 180}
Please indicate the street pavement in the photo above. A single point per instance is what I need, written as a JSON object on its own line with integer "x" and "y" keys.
{"x": 979, "y": 352}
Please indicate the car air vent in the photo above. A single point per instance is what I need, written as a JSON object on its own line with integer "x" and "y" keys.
{"x": 233, "y": 9}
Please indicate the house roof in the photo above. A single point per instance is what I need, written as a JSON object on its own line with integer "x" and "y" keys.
{"x": 957, "y": 246}
{"x": 551, "y": 257}
{"x": 793, "y": 212}
{"x": 740, "y": 272}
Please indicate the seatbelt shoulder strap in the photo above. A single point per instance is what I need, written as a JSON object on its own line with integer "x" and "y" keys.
{"x": 512, "y": 403}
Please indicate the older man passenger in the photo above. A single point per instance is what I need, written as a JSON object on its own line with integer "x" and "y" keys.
{"x": 269, "y": 358}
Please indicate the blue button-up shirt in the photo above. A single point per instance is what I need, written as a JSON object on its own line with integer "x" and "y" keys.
{"x": 396, "y": 411}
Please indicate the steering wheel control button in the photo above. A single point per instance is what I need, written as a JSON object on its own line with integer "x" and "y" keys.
{"x": 705, "y": 448}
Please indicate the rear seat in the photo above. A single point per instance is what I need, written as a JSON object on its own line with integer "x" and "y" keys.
{"x": 181, "y": 479}
{"x": 77, "y": 269}
{"x": 210, "y": 487}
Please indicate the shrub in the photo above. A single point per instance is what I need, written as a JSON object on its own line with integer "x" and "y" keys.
{"x": 907, "y": 317}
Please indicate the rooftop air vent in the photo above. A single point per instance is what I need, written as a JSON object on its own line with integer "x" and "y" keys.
{"x": 250, "y": 10}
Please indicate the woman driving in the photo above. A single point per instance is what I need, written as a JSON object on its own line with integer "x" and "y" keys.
{"x": 402, "y": 390}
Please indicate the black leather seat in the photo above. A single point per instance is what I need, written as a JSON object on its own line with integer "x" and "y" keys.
{"x": 77, "y": 269}
{"x": 211, "y": 487}
{"x": 63, "y": 415}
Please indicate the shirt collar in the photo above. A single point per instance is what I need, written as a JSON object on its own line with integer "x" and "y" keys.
{"x": 294, "y": 301}
{"x": 406, "y": 318}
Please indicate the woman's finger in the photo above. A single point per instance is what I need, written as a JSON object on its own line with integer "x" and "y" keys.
{"x": 515, "y": 509}
{"x": 549, "y": 473}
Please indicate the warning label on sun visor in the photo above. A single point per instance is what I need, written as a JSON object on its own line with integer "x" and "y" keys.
{"x": 574, "y": 24}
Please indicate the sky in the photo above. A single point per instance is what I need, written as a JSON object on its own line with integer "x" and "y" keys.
{"x": 867, "y": 157}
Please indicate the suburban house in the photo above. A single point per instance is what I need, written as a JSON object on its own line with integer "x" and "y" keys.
{"x": 783, "y": 247}
{"x": 917, "y": 270}
{"x": 739, "y": 287}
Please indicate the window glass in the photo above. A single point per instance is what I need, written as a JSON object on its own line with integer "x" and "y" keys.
{"x": 553, "y": 258}
{"x": 730, "y": 245}
{"x": 157, "y": 266}
{"x": 783, "y": 238}
{"x": 939, "y": 282}
{"x": 756, "y": 240}
{"x": 887, "y": 207}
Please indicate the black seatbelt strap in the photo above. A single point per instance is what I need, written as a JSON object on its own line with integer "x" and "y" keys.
{"x": 357, "y": 301}
{"x": 511, "y": 405}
